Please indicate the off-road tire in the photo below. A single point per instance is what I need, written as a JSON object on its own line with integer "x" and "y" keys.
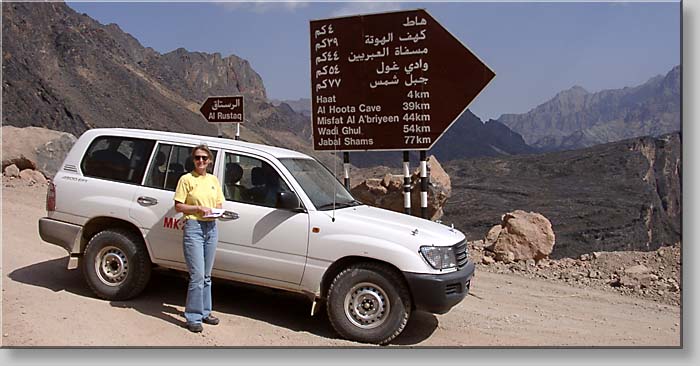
{"x": 123, "y": 268}
{"x": 377, "y": 286}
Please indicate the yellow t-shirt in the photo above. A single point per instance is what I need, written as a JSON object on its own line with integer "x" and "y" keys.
{"x": 199, "y": 190}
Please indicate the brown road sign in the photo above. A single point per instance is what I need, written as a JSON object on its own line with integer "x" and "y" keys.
{"x": 391, "y": 81}
{"x": 223, "y": 109}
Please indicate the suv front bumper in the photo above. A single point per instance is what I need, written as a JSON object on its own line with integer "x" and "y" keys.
{"x": 438, "y": 293}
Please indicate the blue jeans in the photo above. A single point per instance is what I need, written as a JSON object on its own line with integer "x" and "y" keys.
{"x": 199, "y": 246}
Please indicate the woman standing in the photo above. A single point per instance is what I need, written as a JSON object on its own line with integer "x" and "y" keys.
{"x": 196, "y": 194}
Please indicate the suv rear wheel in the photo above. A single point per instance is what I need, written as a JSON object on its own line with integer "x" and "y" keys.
{"x": 368, "y": 303}
{"x": 116, "y": 265}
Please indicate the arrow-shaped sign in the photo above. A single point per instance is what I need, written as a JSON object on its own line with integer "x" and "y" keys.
{"x": 392, "y": 81}
{"x": 223, "y": 109}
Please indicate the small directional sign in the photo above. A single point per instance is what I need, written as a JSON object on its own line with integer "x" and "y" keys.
{"x": 391, "y": 81}
{"x": 223, "y": 109}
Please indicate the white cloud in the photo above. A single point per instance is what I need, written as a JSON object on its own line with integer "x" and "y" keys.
{"x": 364, "y": 7}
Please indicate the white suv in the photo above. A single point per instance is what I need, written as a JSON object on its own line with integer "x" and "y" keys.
{"x": 289, "y": 224}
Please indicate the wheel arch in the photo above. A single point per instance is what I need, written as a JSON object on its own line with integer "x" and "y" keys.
{"x": 97, "y": 224}
{"x": 345, "y": 262}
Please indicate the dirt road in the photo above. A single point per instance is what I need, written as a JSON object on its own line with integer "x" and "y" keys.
{"x": 43, "y": 304}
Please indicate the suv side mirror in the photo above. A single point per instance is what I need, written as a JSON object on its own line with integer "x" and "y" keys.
{"x": 287, "y": 201}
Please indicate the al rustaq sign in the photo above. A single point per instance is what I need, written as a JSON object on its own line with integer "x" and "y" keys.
{"x": 223, "y": 109}
{"x": 391, "y": 81}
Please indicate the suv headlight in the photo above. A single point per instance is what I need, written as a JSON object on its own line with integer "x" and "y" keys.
{"x": 439, "y": 257}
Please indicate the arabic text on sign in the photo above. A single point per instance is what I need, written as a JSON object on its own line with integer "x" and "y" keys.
{"x": 326, "y": 42}
{"x": 415, "y": 38}
{"x": 325, "y": 29}
{"x": 414, "y": 22}
{"x": 327, "y": 56}
{"x": 218, "y": 104}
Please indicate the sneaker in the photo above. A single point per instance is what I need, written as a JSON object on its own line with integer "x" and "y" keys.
{"x": 211, "y": 320}
{"x": 195, "y": 327}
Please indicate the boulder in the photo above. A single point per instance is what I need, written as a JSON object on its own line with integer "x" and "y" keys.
{"x": 387, "y": 192}
{"x": 639, "y": 269}
{"x": 12, "y": 170}
{"x": 35, "y": 148}
{"x": 521, "y": 236}
{"x": 32, "y": 176}
{"x": 636, "y": 281}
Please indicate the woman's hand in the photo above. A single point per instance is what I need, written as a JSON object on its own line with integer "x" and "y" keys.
{"x": 192, "y": 209}
{"x": 203, "y": 211}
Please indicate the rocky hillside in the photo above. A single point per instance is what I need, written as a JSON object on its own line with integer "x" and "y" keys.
{"x": 67, "y": 72}
{"x": 617, "y": 196}
{"x": 653, "y": 275}
{"x": 575, "y": 118}
{"x": 301, "y": 105}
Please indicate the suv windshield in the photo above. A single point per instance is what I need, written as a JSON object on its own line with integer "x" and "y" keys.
{"x": 319, "y": 184}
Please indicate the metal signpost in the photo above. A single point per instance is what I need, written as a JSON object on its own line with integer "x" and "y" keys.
{"x": 228, "y": 109}
{"x": 390, "y": 81}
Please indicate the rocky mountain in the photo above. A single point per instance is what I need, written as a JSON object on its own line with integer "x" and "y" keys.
{"x": 575, "y": 118}
{"x": 301, "y": 105}
{"x": 623, "y": 195}
{"x": 67, "y": 72}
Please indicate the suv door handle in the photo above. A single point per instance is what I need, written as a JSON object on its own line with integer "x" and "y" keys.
{"x": 229, "y": 215}
{"x": 147, "y": 201}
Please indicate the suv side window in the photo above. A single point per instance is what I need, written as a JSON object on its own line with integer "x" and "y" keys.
{"x": 251, "y": 180}
{"x": 121, "y": 159}
{"x": 169, "y": 163}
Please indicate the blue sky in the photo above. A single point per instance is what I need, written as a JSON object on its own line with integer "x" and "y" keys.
{"x": 536, "y": 48}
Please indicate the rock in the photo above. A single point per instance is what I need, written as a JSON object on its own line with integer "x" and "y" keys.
{"x": 387, "y": 192}
{"x": 637, "y": 277}
{"x": 487, "y": 260}
{"x": 645, "y": 280}
{"x": 585, "y": 257}
{"x": 615, "y": 282}
{"x": 35, "y": 148}
{"x": 525, "y": 235}
{"x": 637, "y": 270}
{"x": 32, "y": 176}
{"x": 597, "y": 255}
{"x": 492, "y": 235}
{"x": 505, "y": 256}
{"x": 12, "y": 170}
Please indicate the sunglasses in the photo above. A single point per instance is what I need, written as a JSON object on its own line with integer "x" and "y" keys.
{"x": 201, "y": 157}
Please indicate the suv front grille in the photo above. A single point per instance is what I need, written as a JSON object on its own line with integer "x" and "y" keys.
{"x": 461, "y": 255}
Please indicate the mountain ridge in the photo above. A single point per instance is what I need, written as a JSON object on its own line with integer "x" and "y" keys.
{"x": 575, "y": 118}
{"x": 66, "y": 71}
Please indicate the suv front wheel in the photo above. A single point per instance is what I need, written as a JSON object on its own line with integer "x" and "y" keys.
{"x": 369, "y": 303}
{"x": 116, "y": 265}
